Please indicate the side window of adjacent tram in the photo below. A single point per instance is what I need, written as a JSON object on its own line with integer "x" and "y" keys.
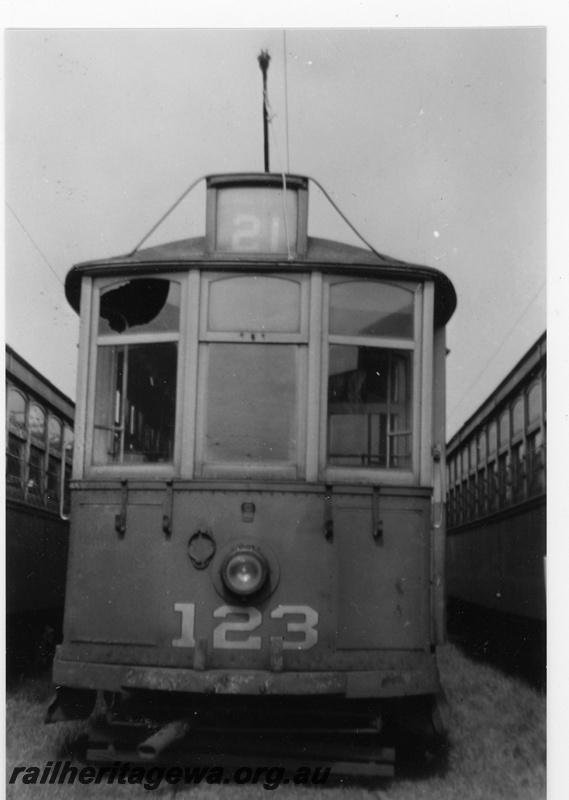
{"x": 253, "y": 341}
{"x": 371, "y": 342}
{"x": 137, "y": 355}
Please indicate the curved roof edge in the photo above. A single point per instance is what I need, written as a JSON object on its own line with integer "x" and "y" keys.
{"x": 320, "y": 253}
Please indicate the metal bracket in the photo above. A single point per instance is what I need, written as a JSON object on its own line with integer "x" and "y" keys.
{"x": 200, "y": 654}
{"x": 328, "y": 514}
{"x": 168, "y": 508}
{"x": 277, "y": 654}
{"x": 377, "y": 523}
{"x": 120, "y": 519}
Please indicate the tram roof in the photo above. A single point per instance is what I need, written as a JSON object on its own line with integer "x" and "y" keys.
{"x": 322, "y": 254}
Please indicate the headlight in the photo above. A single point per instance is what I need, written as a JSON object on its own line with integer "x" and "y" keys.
{"x": 244, "y": 571}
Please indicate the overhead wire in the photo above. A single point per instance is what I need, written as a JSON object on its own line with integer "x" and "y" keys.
{"x": 23, "y": 227}
{"x": 498, "y": 351}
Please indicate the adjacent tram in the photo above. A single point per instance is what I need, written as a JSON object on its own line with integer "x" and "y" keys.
{"x": 257, "y": 524}
{"x": 39, "y": 445}
{"x": 496, "y": 515}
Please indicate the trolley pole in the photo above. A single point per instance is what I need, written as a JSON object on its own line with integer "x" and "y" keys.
{"x": 264, "y": 59}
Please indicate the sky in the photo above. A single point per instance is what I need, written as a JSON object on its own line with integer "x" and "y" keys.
{"x": 432, "y": 141}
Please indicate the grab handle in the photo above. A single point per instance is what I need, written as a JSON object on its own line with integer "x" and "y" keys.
{"x": 438, "y": 486}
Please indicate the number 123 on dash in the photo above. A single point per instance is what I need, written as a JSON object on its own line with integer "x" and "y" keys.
{"x": 235, "y": 634}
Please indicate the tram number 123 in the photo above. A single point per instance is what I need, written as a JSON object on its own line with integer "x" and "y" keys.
{"x": 249, "y": 620}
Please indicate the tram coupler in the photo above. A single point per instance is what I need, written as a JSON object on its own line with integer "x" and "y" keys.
{"x": 153, "y": 747}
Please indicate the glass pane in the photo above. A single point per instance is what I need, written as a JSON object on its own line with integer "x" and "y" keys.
{"x": 68, "y": 443}
{"x": 15, "y": 467}
{"x": 35, "y": 488}
{"x": 17, "y": 412}
{"x": 473, "y": 454}
{"x": 140, "y": 306}
{"x": 54, "y": 435}
{"x": 251, "y": 404}
{"x": 254, "y": 303}
{"x": 37, "y": 424}
{"x": 536, "y": 476}
{"x": 518, "y": 471}
{"x": 53, "y": 481}
{"x": 369, "y": 308}
{"x": 369, "y": 407}
{"x": 492, "y": 437}
{"x": 518, "y": 418}
{"x": 505, "y": 429}
{"x": 534, "y": 404}
{"x": 482, "y": 447}
{"x": 254, "y": 220}
{"x": 135, "y": 403}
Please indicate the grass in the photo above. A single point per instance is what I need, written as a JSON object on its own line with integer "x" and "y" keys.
{"x": 497, "y": 746}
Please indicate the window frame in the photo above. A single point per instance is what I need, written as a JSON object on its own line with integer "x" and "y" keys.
{"x": 87, "y": 428}
{"x": 21, "y": 435}
{"x": 421, "y": 349}
{"x": 296, "y": 468}
{"x": 48, "y": 455}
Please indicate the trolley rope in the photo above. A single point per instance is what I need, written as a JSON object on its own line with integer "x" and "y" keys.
{"x": 167, "y": 214}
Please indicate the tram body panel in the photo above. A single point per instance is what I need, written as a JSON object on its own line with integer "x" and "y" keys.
{"x": 358, "y": 590}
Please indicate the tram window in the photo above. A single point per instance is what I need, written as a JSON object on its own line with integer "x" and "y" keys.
{"x": 450, "y": 507}
{"x": 54, "y": 462}
{"x": 140, "y": 306}
{"x": 36, "y": 461}
{"x": 492, "y": 439}
{"x": 481, "y": 443}
{"x": 135, "y": 402}
{"x": 68, "y": 462}
{"x": 15, "y": 462}
{"x": 473, "y": 455}
{"x": 518, "y": 472}
{"x": 536, "y": 477}
{"x": 251, "y": 412}
{"x": 518, "y": 418}
{"x": 534, "y": 405}
{"x": 17, "y": 412}
{"x": 371, "y": 309}
{"x": 491, "y": 485}
{"x": 504, "y": 493}
{"x": 504, "y": 429}
{"x": 16, "y": 444}
{"x": 369, "y": 407}
{"x": 465, "y": 501}
{"x": 254, "y": 303}
{"x": 472, "y": 497}
{"x": 481, "y": 492}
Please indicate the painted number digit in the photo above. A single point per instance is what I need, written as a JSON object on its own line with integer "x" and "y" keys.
{"x": 246, "y": 234}
{"x": 254, "y": 619}
{"x": 188, "y": 612}
{"x": 307, "y": 628}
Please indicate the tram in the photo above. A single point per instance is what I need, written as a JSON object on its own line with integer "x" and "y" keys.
{"x": 257, "y": 523}
{"x": 39, "y": 444}
{"x": 496, "y": 516}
